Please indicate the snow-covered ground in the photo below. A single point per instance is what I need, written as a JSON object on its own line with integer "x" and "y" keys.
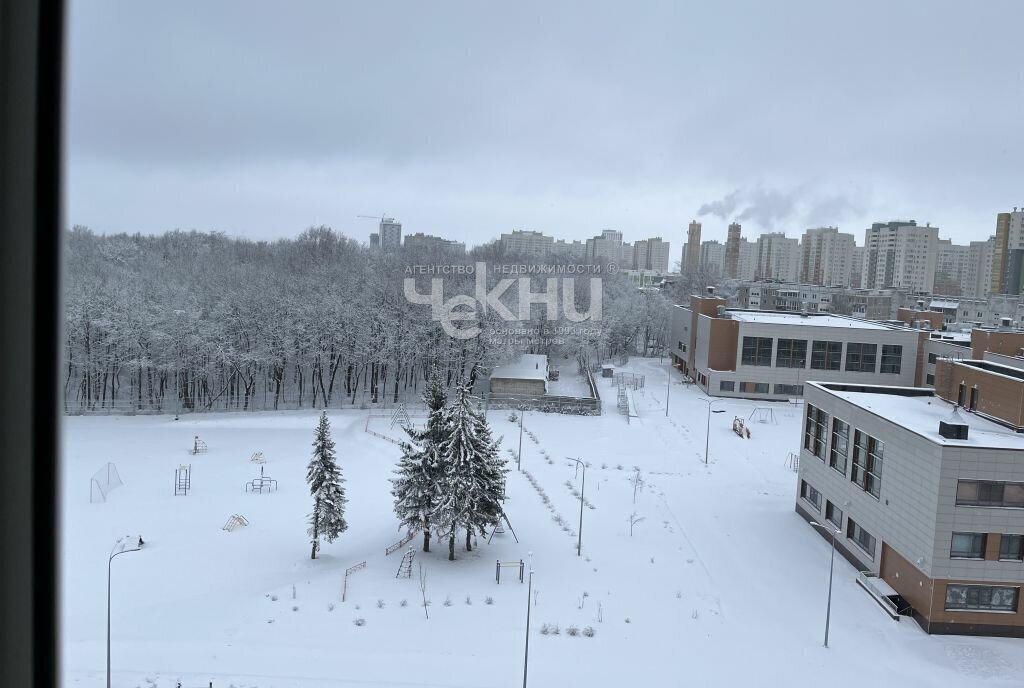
{"x": 720, "y": 584}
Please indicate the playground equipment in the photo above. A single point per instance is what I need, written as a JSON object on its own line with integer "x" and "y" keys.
{"x": 262, "y": 484}
{"x": 235, "y": 522}
{"x": 765, "y": 414}
{"x": 631, "y": 380}
{"x": 349, "y": 571}
{"x": 506, "y": 564}
{"x": 500, "y": 530}
{"x": 182, "y": 480}
{"x": 405, "y": 566}
{"x": 399, "y": 545}
{"x": 740, "y": 428}
{"x": 793, "y": 462}
{"x": 102, "y": 482}
{"x": 257, "y": 458}
{"x": 198, "y": 446}
{"x": 400, "y": 417}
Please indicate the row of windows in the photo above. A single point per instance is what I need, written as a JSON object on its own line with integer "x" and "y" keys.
{"x": 990, "y": 598}
{"x": 825, "y": 355}
{"x": 760, "y": 388}
{"x": 991, "y": 493}
{"x": 834, "y": 515}
{"x": 868, "y": 451}
{"x": 973, "y": 545}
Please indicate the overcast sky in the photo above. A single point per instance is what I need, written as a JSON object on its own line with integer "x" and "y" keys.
{"x": 467, "y": 119}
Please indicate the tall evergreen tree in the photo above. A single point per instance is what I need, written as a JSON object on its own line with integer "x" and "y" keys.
{"x": 327, "y": 521}
{"x": 415, "y": 485}
{"x": 472, "y": 482}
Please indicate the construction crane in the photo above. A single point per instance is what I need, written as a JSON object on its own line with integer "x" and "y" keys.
{"x": 378, "y": 218}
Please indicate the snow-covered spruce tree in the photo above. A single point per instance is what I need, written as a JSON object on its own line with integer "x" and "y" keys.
{"x": 472, "y": 481}
{"x": 327, "y": 521}
{"x": 415, "y": 484}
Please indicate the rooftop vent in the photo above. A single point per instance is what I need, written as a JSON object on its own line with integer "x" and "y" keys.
{"x": 954, "y": 428}
{"x": 920, "y": 304}
{"x": 1006, "y": 322}
{"x": 711, "y": 291}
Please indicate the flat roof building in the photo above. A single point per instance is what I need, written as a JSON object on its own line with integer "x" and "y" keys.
{"x": 772, "y": 354}
{"x": 926, "y": 496}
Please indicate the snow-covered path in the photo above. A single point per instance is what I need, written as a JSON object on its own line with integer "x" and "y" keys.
{"x": 721, "y": 583}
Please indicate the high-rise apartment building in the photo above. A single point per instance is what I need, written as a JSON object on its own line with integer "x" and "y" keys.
{"x": 606, "y": 246}
{"x": 712, "y": 258}
{"x": 426, "y": 241}
{"x": 950, "y": 267}
{"x": 826, "y": 256}
{"x": 856, "y": 266}
{"x": 390, "y": 234}
{"x": 732, "y": 251}
{"x": 746, "y": 261}
{"x": 1008, "y": 253}
{"x": 778, "y": 257}
{"x": 977, "y": 276}
{"x": 900, "y": 254}
{"x": 691, "y": 263}
{"x": 525, "y": 242}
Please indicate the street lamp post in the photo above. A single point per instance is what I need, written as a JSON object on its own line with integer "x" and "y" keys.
{"x": 123, "y": 545}
{"x": 526, "y": 651}
{"x": 707, "y": 434}
{"x": 583, "y": 485}
{"x": 831, "y": 567}
{"x": 668, "y": 388}
{"x": 519, "y": 456}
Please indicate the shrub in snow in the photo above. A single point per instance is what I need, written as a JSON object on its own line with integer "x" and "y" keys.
{"x": 357, "y": 607}
{"x": 488, "y": 600}
{"x": 359, "y": 622}
{"x": 295, "y": 608}
{"x": 330, "y": 606}
{"x": 604, "y": 466}
{"x": 380, "y": 604}
{"x": 627, "y": 619}
{"x": 469, "y": 600}
{"x": 679, "y": 595}
{"x": 588, "y": 631}
{"x": 545, "y": 629}
{"x": 273, "y": 598}
{"x": 270, "y": 621}
{"x": 447, "y": 601}
{"x": 555, "y": 630}
{"x": 573, "y": 631}
{"x": 618, "y": 467}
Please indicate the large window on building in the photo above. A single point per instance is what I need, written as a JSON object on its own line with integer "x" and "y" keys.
{"x": 1011, "y": 547}
{"x": 834, "y": 515}
{"x": 867, "y": 463}
{"x": 814, "y": 431}
{"x": 985, "y": 598}
{"x": 791, "y": 353}
{"x": 760, "y": 387}
{"x": 892, "y": 359}
{"x": 810, "y": 495}
{"x": 860, "y": 537}
{"x": 967, "y": 546}
{"x": 826, "y": 355}
{"x": 791, "y": 390}
{"x": 932, "y": 358}
{"x": 726, "y": 385}
{"x": 990, "y": 493}
{"x": 860, "y": 358}
{"x": 840, "y": 445}
{"x": 757, "y": 351}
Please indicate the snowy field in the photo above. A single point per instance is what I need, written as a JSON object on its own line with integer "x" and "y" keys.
{"x": 720, "y": 584}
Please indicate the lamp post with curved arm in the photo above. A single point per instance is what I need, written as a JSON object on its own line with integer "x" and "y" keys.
{"x": 128, "y": 543}
{"x": 707, "y": 433}
{"x": 831, "y": 567}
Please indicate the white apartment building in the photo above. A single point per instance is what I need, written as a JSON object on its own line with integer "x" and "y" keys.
{"x": 746, "y": 262}
{"x": 900, "y": 254}
{"x": 826, "y": 256}
{"x": 977, "y": 276}
{"x": 525, "y": 242}
{"x": 857, "y": 267}
{"x": 771, "y": 355}
{"x": 924, "y": 493}
{"x": 426, "y": 241}
{"x": 390, "y": 233}
{"x": 606, "y": 246}
{"x": 712, "y": 258}
{"x": 778, "y": 257}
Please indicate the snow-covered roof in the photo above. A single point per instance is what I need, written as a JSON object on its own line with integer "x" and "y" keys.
{"x": 921, "y": 413}
{"x": 940, "y": 303}
{"x": 526, "y": 367}
{"x": 814, "y": 319}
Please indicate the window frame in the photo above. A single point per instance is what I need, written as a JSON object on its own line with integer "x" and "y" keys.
{"x": 807, "y": 491}
{"x": 852, "y": 530}
{"x": 859, "y": 354}
{"x": 984, "y": 494}
{"x": 867, "y": 473}
{"x": 816, "y": 431}
{"x": 754, "y": 353}
{"x": 891, "y": 359}
{"x": 978, "y": 607}
{"x": 833, "y": 449}
{"x": 792, "y": 354}
{"x": 1003, "y": 537}
{"x": 722, "y": 385}
{"x": 830, "y": 510}
{"x": 975, "y": 553}
{"x": 830, "y": 357}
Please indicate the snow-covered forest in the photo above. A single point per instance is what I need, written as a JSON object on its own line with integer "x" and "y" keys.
{"x": 201, "y": 321}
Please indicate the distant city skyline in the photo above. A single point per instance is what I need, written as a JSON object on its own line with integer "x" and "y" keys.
{"x": 260, "y": 120}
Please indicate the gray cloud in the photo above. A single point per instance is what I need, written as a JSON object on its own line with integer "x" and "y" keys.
{"x": 472, "y": 118}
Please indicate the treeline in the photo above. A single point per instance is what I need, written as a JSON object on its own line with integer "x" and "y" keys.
{"x": 199, "y": 321}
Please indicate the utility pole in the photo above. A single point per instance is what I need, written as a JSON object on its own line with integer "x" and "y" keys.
{"x": 123, "y": 545}
{"x": 583, "y": 486}
{"x": 526, "y": 652}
